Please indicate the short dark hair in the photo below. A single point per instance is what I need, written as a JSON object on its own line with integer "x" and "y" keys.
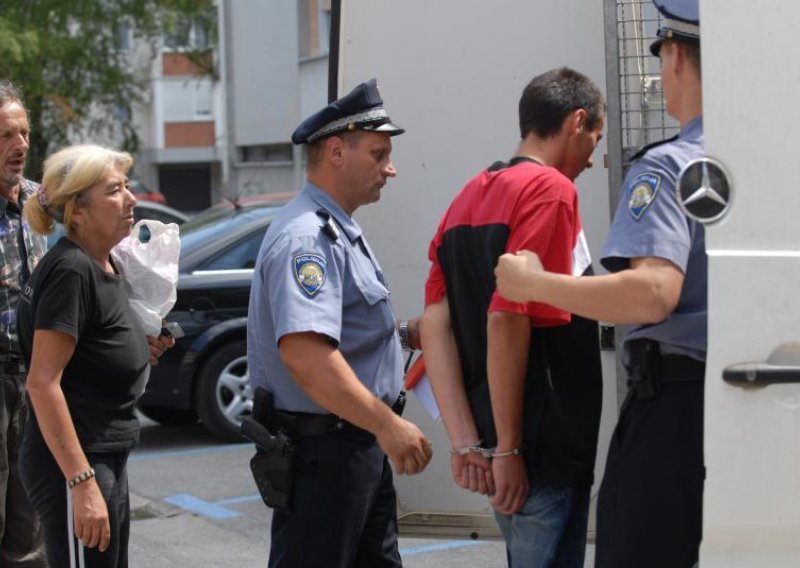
{"x": 690, "y": 50}
{"x": 550, "y": 97}
{"x": 693, "y": 55}
{"x": 315, "y": 150}
{"x": 9, "y": 93}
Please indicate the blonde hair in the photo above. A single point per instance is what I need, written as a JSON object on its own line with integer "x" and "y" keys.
{"x": 67, "y": 175}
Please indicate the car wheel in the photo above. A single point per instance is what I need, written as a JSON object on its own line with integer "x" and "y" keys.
{"x": 224, "y": 396}
{"x": 169, "y": 416}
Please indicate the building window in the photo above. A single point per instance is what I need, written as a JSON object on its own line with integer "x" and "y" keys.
{"x": 314, "y": 18}
{"x": 193, "y": 35}
{"x": 267, "y": 153}
{"x": 324, "y": 29}
{"x": 124, "y": 35}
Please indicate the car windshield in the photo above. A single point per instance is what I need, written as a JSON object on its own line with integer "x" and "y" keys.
{"x": 215, "y": 223}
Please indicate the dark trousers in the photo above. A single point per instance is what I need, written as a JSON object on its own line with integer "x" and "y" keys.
{"x": 21, "y": 544}
{"x": 52, "y": 500}
{"x": 344, "y": 512}
{"x": 650, "y": 504}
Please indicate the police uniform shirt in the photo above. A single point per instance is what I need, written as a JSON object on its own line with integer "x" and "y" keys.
{"x": 650, "y": 223}
{"x": 325, "y": 281}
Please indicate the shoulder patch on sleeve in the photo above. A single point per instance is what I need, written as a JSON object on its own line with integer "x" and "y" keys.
{"x": 645, "y": 188}
{"x": 310, "y": 271}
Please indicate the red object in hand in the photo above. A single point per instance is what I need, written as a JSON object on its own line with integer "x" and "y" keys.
{"x": 415, "y": 373}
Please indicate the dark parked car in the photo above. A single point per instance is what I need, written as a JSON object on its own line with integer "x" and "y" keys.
{"x": 143, "y": 210}
{"x": 205, "y": 374}
{"x": 144, "y": 193}
{"x": 158, "y": 212}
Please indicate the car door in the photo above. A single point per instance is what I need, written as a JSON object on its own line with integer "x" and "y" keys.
{"x": 752, "y": 425}
{"x": 218, "y": 288}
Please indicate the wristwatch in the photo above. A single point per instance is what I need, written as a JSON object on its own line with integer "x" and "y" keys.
{"x": 405, "y": 338}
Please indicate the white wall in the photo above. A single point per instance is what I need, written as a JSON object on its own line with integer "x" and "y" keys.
{"x": 264, "y": 72}
{"x": 451, "y": 72}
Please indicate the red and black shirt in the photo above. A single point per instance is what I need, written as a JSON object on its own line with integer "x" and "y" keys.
{"x": 507, "y": 209}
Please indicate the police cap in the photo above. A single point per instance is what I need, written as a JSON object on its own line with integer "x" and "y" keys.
{"x": 681, "y": 22}
{"x": 360, "y": 109}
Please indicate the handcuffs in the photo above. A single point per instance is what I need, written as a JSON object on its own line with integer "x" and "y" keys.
{"x": 487, "y": 453}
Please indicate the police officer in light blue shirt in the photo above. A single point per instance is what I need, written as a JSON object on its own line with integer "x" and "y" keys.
{"x": 327, "y": 282}
{"x": 650, "y": 503}
{"x": 649, "y": 222}
{"x": 322, "y": 341}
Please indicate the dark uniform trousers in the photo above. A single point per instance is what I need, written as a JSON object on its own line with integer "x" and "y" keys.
{"x": 21, "y": 543}
{"x": 344, "y": 509}
{"x": 650, "y": 503}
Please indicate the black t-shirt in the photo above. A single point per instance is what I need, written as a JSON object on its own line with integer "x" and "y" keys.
{"x": 69, "y": 292}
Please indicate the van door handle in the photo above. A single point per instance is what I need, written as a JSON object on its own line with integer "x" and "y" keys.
{"x": 782, "y": 366}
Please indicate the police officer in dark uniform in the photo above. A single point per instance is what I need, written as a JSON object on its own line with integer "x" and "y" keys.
{"x": 650, "y": 504}
{"x": 322, "y": 342}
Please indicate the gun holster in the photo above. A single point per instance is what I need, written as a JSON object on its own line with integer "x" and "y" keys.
{"x": 644, "y": 369}
{"x": 273, "y": 464}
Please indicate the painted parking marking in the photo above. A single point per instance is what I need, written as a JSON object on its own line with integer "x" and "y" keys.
{"x": 219, "y": 509}
{"x": 243, "y": 499}
{"x": 211, "y": 509}
{"x": 411, "y": 551}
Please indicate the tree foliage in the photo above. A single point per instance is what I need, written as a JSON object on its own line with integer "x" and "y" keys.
{"x": 74, "y": 61}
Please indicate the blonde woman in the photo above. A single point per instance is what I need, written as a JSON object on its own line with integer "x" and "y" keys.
{"x": 87, "y": 357}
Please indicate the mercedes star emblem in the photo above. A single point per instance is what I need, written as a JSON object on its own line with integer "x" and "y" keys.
{"x": 704, "y": 192}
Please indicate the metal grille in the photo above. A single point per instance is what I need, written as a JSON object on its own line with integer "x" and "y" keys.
{"x": 643, "y": 116}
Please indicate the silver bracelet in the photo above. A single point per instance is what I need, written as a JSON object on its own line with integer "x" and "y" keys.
{"x": 80, "y": 478}
{"x": 511, "y": 452}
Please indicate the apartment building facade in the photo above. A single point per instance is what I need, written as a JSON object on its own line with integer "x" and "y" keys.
{"x": 207, "y": 137}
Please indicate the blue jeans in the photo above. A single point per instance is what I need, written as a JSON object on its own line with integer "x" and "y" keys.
{"x": 550, "y": 529}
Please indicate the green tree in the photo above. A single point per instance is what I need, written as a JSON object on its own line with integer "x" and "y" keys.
{"x": 73, "y": 61}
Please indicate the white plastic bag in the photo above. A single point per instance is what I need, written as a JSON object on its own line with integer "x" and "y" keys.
{"x": 150, "y": 270}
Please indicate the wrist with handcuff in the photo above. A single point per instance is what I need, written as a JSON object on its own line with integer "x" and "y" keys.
{"x": 487, "y": 453}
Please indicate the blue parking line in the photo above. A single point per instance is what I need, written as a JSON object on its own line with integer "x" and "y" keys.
{"x": 218, "y": 510}
{"x": 211, "y": 509}
{"x": 182, "y": 453}
{"x": 439, "y": 547}
{"x": 244, "y": 499}
{"x": 205, "y": 508}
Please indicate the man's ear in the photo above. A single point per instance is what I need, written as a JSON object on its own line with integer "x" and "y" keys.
{"x": 576, "y": 120}
{"x": 334, "y": 149}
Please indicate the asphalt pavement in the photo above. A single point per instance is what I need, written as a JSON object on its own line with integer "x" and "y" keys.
{"x": 195, "y": 505}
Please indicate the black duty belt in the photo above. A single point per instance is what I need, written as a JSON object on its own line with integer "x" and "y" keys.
{"x": 649, "y": 369}
{"x": 12, "y": 368}
{"x": 301, "y": 424}
{"x": 681, "y": 368}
